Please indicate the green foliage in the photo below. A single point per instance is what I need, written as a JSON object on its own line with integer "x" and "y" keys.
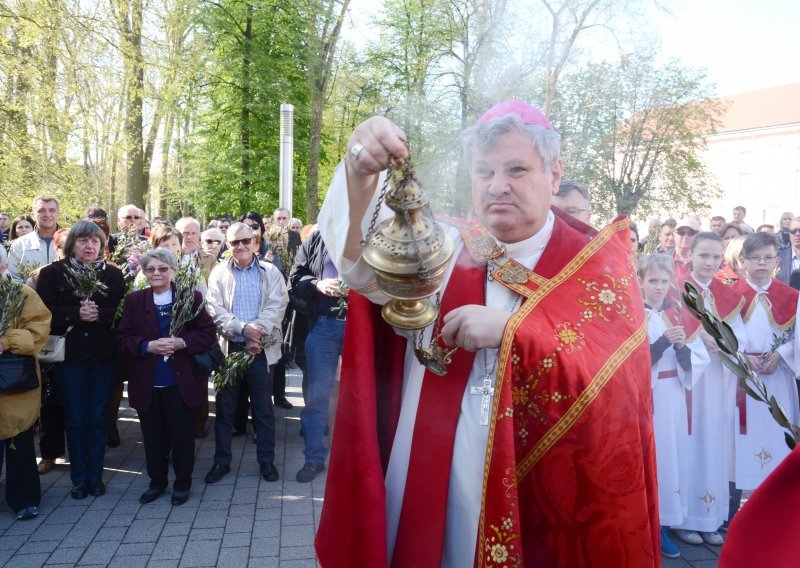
{"x": 634, "y": 133}
{"x": 255, "y": 62}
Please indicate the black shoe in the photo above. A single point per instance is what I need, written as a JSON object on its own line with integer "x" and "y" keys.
{"x": 180, "y": 497}
{"x": 97, "y": 488}
{"x": 112, "y": 437}
{"x": 150, "y": 495}
{"x": 80, "y": 490}
{"x": 269, "y": 472}
{"x": 217, "y": 472}
{"x": 309, "y": 471}
{"x": 283, "y": 403}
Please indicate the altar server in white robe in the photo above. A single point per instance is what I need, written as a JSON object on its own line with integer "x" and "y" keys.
{"x": 674, "y": 365}
{"x": 708, "y": 446}
{"x": 769, "y": 317}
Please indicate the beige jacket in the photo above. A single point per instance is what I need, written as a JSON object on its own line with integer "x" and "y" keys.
{"x": 222, "y": 287}
{"x": 19, "y": 411}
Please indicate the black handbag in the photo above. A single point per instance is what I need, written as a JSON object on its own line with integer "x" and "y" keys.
{"x": 209, "y": 361}
{"x": 17, "y": 373}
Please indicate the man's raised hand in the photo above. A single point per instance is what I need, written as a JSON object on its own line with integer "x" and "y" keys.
{"x": 370, "y": 145}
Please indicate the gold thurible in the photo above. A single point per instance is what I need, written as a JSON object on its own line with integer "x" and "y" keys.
{"x": 408, "y": 252}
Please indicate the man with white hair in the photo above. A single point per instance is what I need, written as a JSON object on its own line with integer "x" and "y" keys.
{"x": 129, "y": 219}
{"x": 508, "y": 459}
{"x": 189, "y": 227}
{"x": 212, "y": 240}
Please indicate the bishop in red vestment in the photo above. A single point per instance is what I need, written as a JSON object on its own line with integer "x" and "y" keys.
{"x": 568, "y": 470}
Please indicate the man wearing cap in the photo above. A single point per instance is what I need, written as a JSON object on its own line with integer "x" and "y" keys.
{"x": 536, "y": 448}
{"x": 684, "y": 235}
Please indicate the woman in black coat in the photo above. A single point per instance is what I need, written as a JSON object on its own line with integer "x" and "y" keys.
{"x": 87, "y": 374}
{"x": 162, "y": 384}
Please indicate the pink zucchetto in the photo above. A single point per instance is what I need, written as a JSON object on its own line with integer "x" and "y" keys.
{"x": 527, "y": 112}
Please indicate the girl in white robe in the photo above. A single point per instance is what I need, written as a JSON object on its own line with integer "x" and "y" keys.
{"x": 708, "y": 445}
{"x": 673, "y": 363}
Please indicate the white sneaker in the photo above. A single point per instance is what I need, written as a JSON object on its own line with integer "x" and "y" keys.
{"x": 689, "y": 537}
{"x": 712, "y": 538}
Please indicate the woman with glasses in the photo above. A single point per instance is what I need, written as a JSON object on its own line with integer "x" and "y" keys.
{"x": 87, "y": 374}
{"x": 769, "y": 319}
{"x": 162, "y": 384}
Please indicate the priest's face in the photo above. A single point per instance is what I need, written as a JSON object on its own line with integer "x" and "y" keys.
{"x": 511, "y": 188}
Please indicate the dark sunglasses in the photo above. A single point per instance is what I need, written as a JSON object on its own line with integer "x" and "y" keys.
{"x": 794, "y": 231}
{"x": 244, "y": 242}
{"x": 254, "y": 226}
{"x": 213, "y": 242}
{"x": 684, "y": 232}
{"x": 131, "y": 217}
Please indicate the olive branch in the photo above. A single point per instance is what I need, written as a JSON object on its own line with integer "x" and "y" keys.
{"x": 739, "y": 364}
{"x": 85, "y": 282}
{"x": 236, "y": 364}
{"x": 12, "y": 300}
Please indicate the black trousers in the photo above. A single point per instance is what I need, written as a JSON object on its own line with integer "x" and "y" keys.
{"x": 168, "y": 428}
{"x": 52, "y": 420}
{"x": 22, "y": 478}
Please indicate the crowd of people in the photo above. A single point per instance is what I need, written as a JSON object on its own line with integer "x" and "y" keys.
{"x": 427, "y": 465}
{"x": 142, "y": 306}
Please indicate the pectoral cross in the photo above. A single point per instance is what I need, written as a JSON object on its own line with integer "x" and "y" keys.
{"x": 486, "y": 392}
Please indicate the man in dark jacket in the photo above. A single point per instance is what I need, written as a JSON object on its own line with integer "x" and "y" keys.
{"x": 314, "y": 282}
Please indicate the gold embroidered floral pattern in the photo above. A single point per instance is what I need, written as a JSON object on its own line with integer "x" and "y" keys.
{"x": 607, "y": 297}
{"x": 502, "y": 548}
{"x": 571, "y": 339}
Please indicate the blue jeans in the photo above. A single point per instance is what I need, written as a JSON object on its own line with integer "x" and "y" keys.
{"x": 323, "y": 347}
{"x": 259, "y": 383}
{"x": 86, "y": 387}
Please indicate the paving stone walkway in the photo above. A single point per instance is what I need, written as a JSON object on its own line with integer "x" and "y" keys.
{"x": 240, "y": 521}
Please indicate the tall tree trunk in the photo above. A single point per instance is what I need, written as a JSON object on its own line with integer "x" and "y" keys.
{"x": 165, "y": 146}
{"x": 244, "y": 119}
{"x": 320, "y": 70}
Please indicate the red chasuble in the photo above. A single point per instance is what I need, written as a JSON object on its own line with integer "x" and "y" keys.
{"x": 570, "y": 476}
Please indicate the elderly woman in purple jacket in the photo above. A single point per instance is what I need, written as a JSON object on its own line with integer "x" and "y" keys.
{"x": 162, "y": 384}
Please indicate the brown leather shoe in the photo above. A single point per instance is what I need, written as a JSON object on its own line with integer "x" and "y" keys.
{"x": 46, "y": 466}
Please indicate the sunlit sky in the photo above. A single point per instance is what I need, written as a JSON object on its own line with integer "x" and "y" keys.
{"x": 744, "y": 44}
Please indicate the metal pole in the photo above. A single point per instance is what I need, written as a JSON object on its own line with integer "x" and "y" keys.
{"x": 287, "y": 156}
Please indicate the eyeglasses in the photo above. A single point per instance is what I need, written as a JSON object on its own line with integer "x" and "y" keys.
{"x": 244, "y": 242}
{"x": 794, "y": 231}
{"x": 131, "y": 217}
{"x": 213, "y": 242}
{"x": 761, "y": 259}
{"x": 685, "y": 232}
{"x": 254, "y": 226}
{"x": 153, "y": 269}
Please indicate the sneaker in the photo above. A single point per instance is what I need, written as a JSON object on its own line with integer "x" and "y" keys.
{"x": 689, "y": 537}
{"x": 27, "y": 513}
{"x": 712, "y": 538}
{"x": 668, "y": 548}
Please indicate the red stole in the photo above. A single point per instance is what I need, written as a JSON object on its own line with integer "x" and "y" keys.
{"x": 781, "y": 296}
{"x": 575, "y": 501}
{"x": 727, "y": 303}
